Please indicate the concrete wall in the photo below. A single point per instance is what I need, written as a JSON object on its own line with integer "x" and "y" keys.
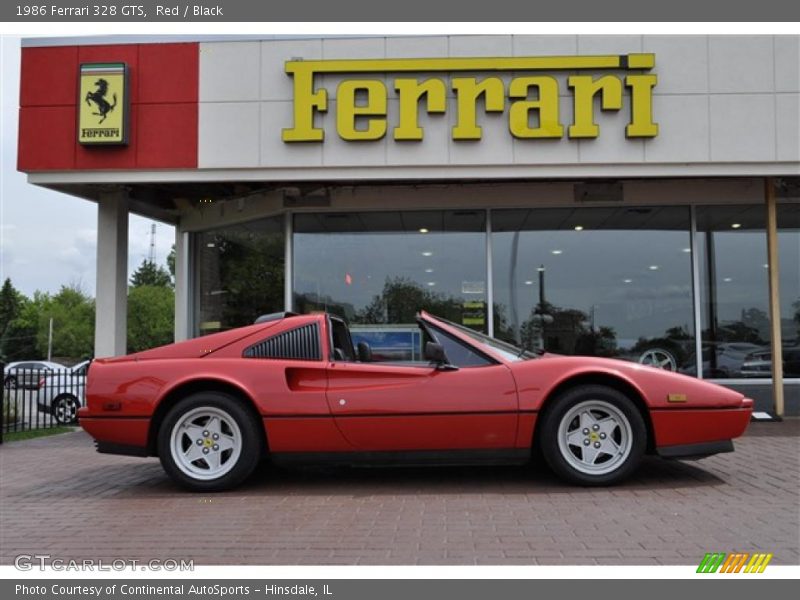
{"x": 721, "y": 101}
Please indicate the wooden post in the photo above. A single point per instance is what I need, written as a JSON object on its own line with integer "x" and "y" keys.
{"x": 774, "y": 297}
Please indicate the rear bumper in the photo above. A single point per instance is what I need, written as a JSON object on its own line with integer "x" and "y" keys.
{"x": 120, "y": 435}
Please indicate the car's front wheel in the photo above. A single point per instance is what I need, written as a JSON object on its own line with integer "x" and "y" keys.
{"x": 10, "y": 382}
{"x": 593, "y": 435}
{"x": 65, "y": 410}
{"x": 209, "y": 442}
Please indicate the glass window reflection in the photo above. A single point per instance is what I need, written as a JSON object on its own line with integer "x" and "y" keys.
{"x": 612, "y": 282}
{"x": 240, "y": 274}
{"x": 380, "y": 268}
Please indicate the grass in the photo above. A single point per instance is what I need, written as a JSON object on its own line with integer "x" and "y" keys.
{"x": 16, "y": 436}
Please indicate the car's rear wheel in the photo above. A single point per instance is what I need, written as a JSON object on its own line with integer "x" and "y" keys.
{"x": 209, "y": 442}
{"x": 10, "y": 382}
{"x": 593, "y": 435}
{"x": 65, "y": 410}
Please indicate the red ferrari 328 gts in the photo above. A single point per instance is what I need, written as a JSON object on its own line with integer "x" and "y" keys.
{"x": 294, "y": 388}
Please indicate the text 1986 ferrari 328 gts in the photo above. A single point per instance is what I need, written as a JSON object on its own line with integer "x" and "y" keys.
{"x": 293, "y": 387}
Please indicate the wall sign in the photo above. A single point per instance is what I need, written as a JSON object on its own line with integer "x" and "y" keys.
{"x": 528, "y": 96}
{"x": 103, "y": 104}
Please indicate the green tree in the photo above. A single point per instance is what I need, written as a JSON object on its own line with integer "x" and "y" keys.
{"x": 17, "y": 337}
{"x": 149, "y": 273}
{"x": 151, "y": 314}
{"x": 72, "y": 311}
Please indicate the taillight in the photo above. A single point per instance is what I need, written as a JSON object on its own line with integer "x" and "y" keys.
{"x": 41, "y": 383}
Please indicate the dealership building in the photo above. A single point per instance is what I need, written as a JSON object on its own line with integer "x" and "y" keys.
{"x": 635, "y": 197}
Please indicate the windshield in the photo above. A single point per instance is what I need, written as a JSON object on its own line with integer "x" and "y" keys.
{"x": 506, "y": 350}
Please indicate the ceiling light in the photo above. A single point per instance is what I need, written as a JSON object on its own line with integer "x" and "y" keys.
{"x": 578, "y": 227}
{"x": 210, "y": 244}
{"x": 627, "y": 281}
{"x": 431, "y": 283}
{"x": 653, "y": 267}
{"x": 687, "y": 250}
{"x": 540, "y": 269}
{"x": 427, "y": 253}
{"x": 429, "y": 270}
{"x": 528, "y": 282}
{"x": 766, "y": 266}
{"x": 736, "y": 225}
{"x": 557, "y": 252}
{"x": 728, "y": 279}
{"x": 423, "y": 230}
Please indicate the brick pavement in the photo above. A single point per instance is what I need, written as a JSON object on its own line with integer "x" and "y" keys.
{"x": 58, "y": 496}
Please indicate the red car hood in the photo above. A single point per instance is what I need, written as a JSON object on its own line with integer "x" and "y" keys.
{"x": 658, "y": 387}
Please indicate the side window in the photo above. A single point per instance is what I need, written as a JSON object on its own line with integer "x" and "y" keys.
{"x": 342, "y": 343}
{"x": 301, "y": 343}
{"x": 458, "y": 353}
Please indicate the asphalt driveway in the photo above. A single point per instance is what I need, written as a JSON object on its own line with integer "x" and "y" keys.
{"x": 58, "y": 496}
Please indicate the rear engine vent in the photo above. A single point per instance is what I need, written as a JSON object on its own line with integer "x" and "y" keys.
{"x": 298, "y": 344}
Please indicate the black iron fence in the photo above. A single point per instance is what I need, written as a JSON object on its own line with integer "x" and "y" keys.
{"x": 35, "y": 398}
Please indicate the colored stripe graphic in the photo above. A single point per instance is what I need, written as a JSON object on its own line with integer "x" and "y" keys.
{"x": 734, "y": 562}
{"x": 711, "y": 562}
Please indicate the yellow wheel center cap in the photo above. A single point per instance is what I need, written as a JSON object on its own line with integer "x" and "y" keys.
{"x": 594, "y": 437}
{"x": 208, "y": 442}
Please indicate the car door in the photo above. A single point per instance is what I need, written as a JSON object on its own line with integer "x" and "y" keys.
{"x": 417, "y": 406}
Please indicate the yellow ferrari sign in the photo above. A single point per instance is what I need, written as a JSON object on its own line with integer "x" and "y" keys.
{"x": 102, "y": 102}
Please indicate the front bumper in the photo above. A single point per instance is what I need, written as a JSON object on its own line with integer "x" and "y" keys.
{"x": 686, "y": 430}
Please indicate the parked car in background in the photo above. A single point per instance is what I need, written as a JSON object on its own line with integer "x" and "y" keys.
{"x": 26, "y": 373}
{"x": 63, "y": 392}
{"x": 759, "y": 364}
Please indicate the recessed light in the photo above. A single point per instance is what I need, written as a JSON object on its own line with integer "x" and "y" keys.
{"x": 528, "y": 282}
{"x": 578, "y": 227}
{"x": 540, "y": 269}
{"x": 627, "y": 281}
{"x": 653, "y": 267}
{"x": 557, "y": 252}
{"x": 766, "y": 266}
{"x": 727, "y": 279}
{"x": 431, "y": 283}
{"x": 423, "y": 230}
{"x": 211, "y": 244}
{"x": 735, "y": 225}
{"x": 429, "y": 270}
{"x": 687, "y": 250}
{"x": 427, "y": 253}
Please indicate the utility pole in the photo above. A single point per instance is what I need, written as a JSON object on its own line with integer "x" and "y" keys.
{"x": 152, "y": 256}
{"x": 50, "y": 342}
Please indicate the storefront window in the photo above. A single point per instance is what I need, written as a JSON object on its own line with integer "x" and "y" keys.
{"x": 734, "y": 290}
{"x": 240, "y": 270}
{"x": 613, "y": 282}
{"x": 789, "y": 261}
{"x": 377, "y": 269}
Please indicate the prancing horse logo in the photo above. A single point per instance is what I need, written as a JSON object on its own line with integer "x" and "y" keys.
{"x": 99, "y": 98}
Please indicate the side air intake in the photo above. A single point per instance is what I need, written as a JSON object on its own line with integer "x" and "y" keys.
{"x": 298, "y": 344}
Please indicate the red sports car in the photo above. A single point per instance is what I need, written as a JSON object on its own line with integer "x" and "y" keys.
{"x": 294, "y": 388}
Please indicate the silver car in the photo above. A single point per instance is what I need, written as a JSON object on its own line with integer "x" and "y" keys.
{"x": 61, "y": 393}
{"x": 26, "y": 373}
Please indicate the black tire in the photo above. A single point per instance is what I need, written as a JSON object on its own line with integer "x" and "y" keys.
{"x": 558, "y": 420}
{"x": 251, "y": 450}
{"x": 65, "y": 409}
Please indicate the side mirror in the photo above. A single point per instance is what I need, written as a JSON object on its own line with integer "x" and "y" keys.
{"x": 435, "y": 353}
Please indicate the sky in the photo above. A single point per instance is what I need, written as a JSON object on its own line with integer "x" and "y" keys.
{"x": 49, "y": 239}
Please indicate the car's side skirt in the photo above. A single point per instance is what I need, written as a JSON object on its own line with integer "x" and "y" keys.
{"x": 482, "y": 456}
